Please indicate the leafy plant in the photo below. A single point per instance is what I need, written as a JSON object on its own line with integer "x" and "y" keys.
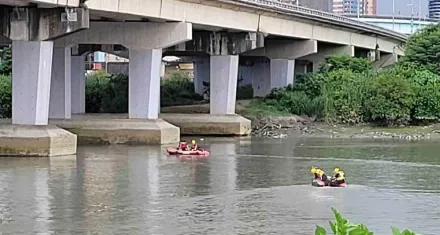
{"x": 341, "y": 226}
{"x": 6, "y": 60}
{"x": 422, "y": 49}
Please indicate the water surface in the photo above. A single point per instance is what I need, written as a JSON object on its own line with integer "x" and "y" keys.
{"x": 247, "y": 186}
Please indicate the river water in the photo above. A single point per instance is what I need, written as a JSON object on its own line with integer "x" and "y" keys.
{"x": 247, "y": 186}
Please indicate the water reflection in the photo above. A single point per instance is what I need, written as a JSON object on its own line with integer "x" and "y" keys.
{"x": 247, "y": 186}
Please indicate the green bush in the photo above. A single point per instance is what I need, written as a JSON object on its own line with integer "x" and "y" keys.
{"x": 287, "y": 100}
{"x": 96, "y": 83}
{"x": 347, "y": 90}
{"x": 422, "y": 49}
{"x": 178, "y": 89}
{"x": 5, "y": 60}
{"x": 260, "y": 108}
{"x": 426, "y": 87}
{"x": 5, "y": 96}
{"x": 392, "y": 99}
{"x": 341, "y": 226}
{"x": 344, "y": 62}
{"x": 115, "y": 94}
{"x": 106, "y": 93}
{"x": 344, "y": 94}
{"x": 245, "y": 92}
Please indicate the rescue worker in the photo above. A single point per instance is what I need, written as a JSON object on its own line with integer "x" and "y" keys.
{"x": 338, "y": 177}
{"x": 314, "y": 171}
{"x": 194, "y": 146}
{"x": 324, "y": 178}
{"x": 183, "y": 145}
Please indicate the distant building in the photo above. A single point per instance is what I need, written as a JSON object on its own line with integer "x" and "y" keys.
{"x": 371, "y": 7}
{"x": 401, "y": 24}
{"x": 321, "y": 5}
{"x": 364, "y": 7}
{"x": 434, "y": 9}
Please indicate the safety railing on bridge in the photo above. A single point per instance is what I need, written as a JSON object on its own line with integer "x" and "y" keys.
{"x": 291, "y": 8}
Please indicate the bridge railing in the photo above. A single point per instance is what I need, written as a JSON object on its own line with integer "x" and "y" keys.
{"x": 274, "y": 4}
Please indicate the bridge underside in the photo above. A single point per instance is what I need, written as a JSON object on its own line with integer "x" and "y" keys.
{"x": 49, "y": 79}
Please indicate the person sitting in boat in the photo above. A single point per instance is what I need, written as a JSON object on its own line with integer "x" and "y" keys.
{"x": 338, "y": 177}
{"x": 194, "y": 146}
{"x": 323, "y": 177}
{"x": 183, "y": 145}
{"x": 314, "y": 171}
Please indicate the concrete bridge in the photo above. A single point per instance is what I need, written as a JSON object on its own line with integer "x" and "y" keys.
{"x": 51, "y": 37}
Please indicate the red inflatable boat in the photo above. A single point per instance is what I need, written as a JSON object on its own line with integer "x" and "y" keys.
{"x": 319, "y": 183}
{"x": 200, "y": 152}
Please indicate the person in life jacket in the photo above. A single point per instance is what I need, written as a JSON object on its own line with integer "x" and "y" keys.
{"x": 194, "y": 146}
{"x": 324, "y": 178}
{"x": 183, "y": 145}
{"x": 338, "y": 177}
{"x": 315, "y": 173}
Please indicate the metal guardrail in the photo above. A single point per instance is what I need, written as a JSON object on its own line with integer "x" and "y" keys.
{"x": 293, "y": 9}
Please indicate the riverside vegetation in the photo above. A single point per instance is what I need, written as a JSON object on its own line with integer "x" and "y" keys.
{"x": 341, "y": 226}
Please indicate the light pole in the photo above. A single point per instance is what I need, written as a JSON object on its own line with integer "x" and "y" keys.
{"x": 358, "y": 8}
{"x": 412, "y": 15}
{"x": 394, "y": 9}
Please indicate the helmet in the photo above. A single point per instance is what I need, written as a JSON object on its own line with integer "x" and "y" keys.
{"x": 320, "y": 172}
{"x": 336, "y": 170}
{"x": 313, "y": 170}
{"x": 193, "y": 142}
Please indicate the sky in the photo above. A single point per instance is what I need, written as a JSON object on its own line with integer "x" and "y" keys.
{"x": 403, "y": 7}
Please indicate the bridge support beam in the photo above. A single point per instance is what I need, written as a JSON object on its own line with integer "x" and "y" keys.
{"x": 282, "y": 55}
{"x": 326, "y": 50}
{"x": 385, "y": 59}
{"x": 78, "y": 84}
{"x": 30, "y": 134}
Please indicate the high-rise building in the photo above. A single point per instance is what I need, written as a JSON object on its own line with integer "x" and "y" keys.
{"x": 321, "y": 5}
{"x": 371, "y": 7}
{"x": 434, "y": 9}
{"x": 348, "y": 7}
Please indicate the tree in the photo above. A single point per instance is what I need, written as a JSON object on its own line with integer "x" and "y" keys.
{"x": 6, "y": 60}
{"x": 423, "y": 49}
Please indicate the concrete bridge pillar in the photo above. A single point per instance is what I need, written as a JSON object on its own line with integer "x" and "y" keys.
{"x": 60, "y": 85}
{"x": 30, "y": 133}
{"x": 31, "y": 73}
{"x": 282, "y": 72}
{"x": 201, "y": 73}
{"x": 223, "y": 84}
{"x": 144, "y": 83}
{"x": 78, "y": 84}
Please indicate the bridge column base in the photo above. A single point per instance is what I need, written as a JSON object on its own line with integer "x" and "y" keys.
{"x": 118, "y": 129}
{"x": 36, "y": 141}
{"x": 209, "y": 125}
